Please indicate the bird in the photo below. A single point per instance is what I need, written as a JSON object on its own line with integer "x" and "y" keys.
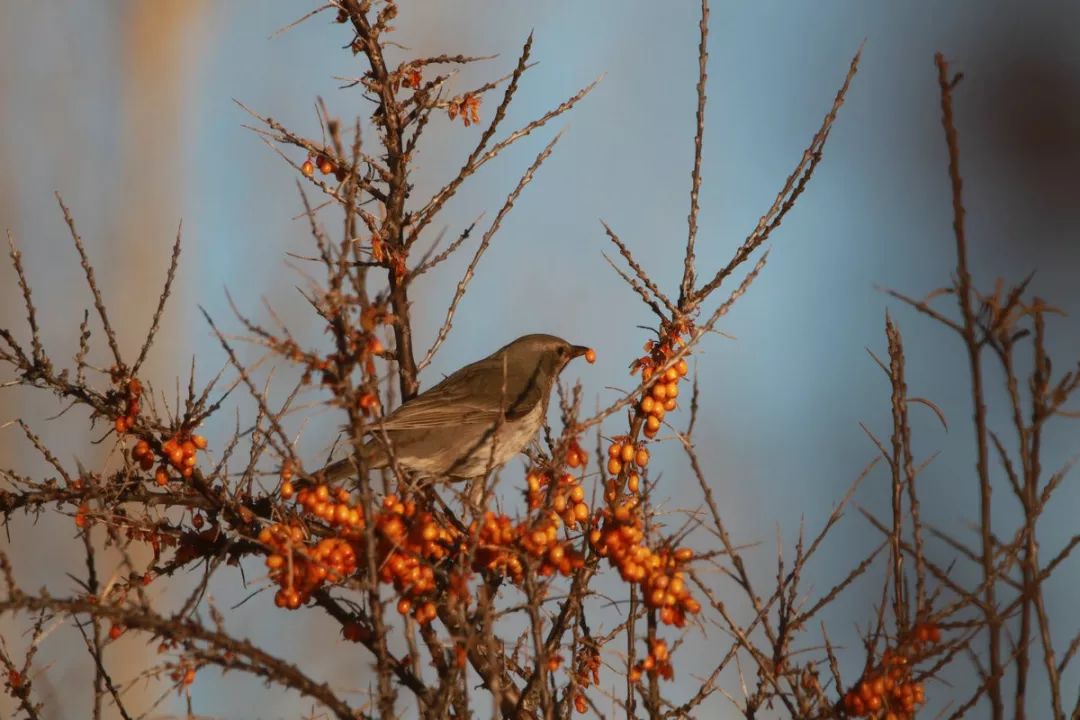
{"x": 472, "y": 422}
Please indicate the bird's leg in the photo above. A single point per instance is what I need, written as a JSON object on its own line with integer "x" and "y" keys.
{"x": 475, "y": 494}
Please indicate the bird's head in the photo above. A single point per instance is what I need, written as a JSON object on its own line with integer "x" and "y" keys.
{"x": 546, "y": 353}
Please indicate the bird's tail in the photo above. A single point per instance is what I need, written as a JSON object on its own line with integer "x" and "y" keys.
{"x": 374, "y": 458}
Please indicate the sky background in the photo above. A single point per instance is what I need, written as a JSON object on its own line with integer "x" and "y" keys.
{"x": 128, "y": 110}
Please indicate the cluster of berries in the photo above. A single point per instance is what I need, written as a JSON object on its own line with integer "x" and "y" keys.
{"x": 565, "y": 494}
{"x": 179, "y": 452}
{"x": 888, "y": 691}
{"x": 133, "y": 391}
{"x": 325, "y": 165}
{"x": 300, "y": 568}
{"x": 410, "y": 542}
{"x": 619, "y": 536}
{"x": 660, "y": 397}
{"x": 657, "y": 661}
{"x": 624, "y": 454}
{"x": 334, "y": 507}
{"x": 503, "y": 545}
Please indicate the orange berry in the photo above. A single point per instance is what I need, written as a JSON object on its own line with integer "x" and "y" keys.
{"x": 659, "y": 391}
{"x": 670, "y": 404}
{"x": 325, "y": 166}
{"x": 627, "y": 453}
{"x": 161, "y": 477}
{"x": 308, "y": 169}
{"x": 116, "y": 631}
{"x": 404, "y": 606}
{"x": 614, "y": 466}
{"x": 199, "y": 441}
{"x": 652, "y": 423}
{"x": 176, "y": 455}
{"x": 641, "y": 457}
{"x": 633, "y": 482}
{"x": 590, "y": 356}
{"x": 682, "y": 368}
{"x": 287, "y": 490}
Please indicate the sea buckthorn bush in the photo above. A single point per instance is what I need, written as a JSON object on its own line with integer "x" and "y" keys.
{"x": 567, "y": 588}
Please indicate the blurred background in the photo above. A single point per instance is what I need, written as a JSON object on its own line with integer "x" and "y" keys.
{"x": 126, "y": 109}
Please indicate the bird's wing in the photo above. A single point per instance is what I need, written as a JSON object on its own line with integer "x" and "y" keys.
{"x": 424, "y": 412}
{"x": 461, "y": 399}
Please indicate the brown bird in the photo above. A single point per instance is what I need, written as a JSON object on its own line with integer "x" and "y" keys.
{"x": 473, "y": 421}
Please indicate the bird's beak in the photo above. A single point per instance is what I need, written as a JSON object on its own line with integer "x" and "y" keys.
{"x": 577, "y": 351}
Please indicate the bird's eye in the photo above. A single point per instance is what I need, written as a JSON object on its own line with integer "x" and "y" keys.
{"x": 563, "y": 351}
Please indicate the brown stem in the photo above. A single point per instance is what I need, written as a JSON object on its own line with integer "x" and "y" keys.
{"x": 964, "y": 295}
